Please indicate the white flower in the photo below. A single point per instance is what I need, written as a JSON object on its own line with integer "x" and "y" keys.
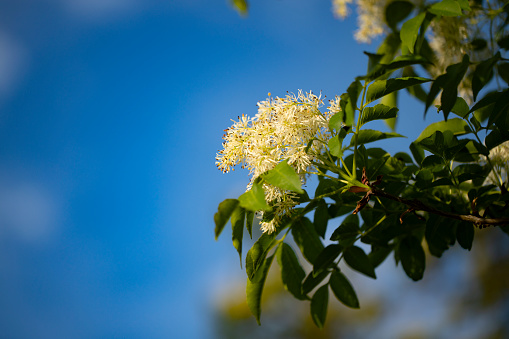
{"x": 340, "y": 9}
{"x": 499, "y": 158}
{"x": 281, "y": 130}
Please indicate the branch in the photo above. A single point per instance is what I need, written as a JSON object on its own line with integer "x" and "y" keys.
{"x": 417, "y": 205}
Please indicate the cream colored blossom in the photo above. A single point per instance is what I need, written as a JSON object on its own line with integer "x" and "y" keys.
{"x": 340, "y": 8}
{"x": 281, "y": 130}
{"x": 371, "y": 14}
{"x": 499, "y": 158}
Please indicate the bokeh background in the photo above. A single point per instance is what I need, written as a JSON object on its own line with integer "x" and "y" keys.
{"x": 111, "y": 113}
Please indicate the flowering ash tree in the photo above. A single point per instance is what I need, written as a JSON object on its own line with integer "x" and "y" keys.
{"x": 454, "y": 179}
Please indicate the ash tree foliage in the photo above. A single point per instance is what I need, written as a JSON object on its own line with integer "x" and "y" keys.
{"x": 452, "y": 56}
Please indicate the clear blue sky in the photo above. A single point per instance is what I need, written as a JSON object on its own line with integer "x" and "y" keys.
{"x": 111, "y": 113}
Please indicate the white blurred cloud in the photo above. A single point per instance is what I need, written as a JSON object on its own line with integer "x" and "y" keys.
{"x": 13, "y": 63}
{"x": 28, "y": 212}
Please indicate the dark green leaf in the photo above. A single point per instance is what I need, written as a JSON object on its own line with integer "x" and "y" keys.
{"x": 307, "y": 239}
{"x": 503, "y": 71}
{"x": 223, "y": 214}
{"x": 321, "y": 218}
{"x": 368, "y": 135}
{"x": 354, "y": 90}
{"x": 446, "y": 8}
{"x": 312, "y": 281}
{"x": 254, "y": 199}
{"x": 410, "y": 30}
{"x": 448, "y": 83}
{"x": 379, "y": 111}
{"x": 258, "y": 252}
{"x": 359, "y": 261}
{"x": 254, "y": 289}
{"x": 319, "y": 304}
{"x": 237, "y": 220}
{"x": 397, "y": 11}
{"x": 484, "y": 73}
{"x": 465, "y": 235}
{"x": 249, "y": 222}
{"x": 292, "y": 273}
{"x": 326, "y": 258}
{"x": 503, "y": 42}
{"x": 284, "y": 177}
{"x": 381, "y": 88}
{"x": 417, "y": 152}
{"x": 346, "y": 234}
{"x": 378, "y": 254}
{"x": 343, "y": 290}
{"x": 412, "y": 257}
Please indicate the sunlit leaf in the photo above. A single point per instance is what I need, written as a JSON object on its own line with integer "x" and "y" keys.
{"x": 223, "y": 214}
{"x": 381, "y": 88}
{"x": 378, "y": 112}
{"x": 254, "y": 199}
{"x": 369, "y": 135}
{"x": 254, "y": 288}
{"x": 284, "y": 177}
{"x": 237, "y": 221}
{"x": 410, "y": 31}
{"x": 446, "y": 8}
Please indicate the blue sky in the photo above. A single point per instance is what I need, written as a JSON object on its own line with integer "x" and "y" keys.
{"x": 111, "y": 113}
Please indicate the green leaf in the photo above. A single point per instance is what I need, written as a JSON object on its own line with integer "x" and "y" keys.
{"x": 381, "y": 88}
{"x": 237, "y": 220}
{"x": 378, "y": 254}
{"x": 223, "y": 214}
{"x": 369, "y": 135}
{"x": 241, "y": 6}
{"x": 254, "y": 288}
{"x": 292, "y": 273}
{"x": 346, "y": 234}
{"x": 484, "y": 73}
{"x": 359, "y": 261}
{"x": 258, "y": 252}
{"x": 397, "y": 11}
{"x": 307, "y": 239}
{"x": 503, "y": 42}
{"x": 319, "y": 304}
{"x": 464, "y": 5}
{"x": 326, "y": 258}
{"x": 410, "y": 31}
{"x": 312, "y": 281}
{"x": 412, "y": 257}
{"x": 336, "y": 121}
{"x": 460, "y": 107}
{"x": 343, "y": 290}
{"x": 284, "y": 177}
{"x": 249, "y": 222}
{"x": 378, "y": 112}
{"x": 321, "y": 218}
{"x": 254, "y": 199}
{"x": 448, "y": 83}
{"x": 335, "y": 146}
{"x": 503, "y": 71}
{"x": 417, "y": 152}
{"x": 456, "y": 125}
{"x": 465, "y": 235}
{"x": 446, "y": 8}
{"x": 391, "y": 100}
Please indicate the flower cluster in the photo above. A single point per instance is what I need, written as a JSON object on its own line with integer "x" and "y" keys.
{"x": 282, "y": 129}
{"x": 499, "y": 158}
